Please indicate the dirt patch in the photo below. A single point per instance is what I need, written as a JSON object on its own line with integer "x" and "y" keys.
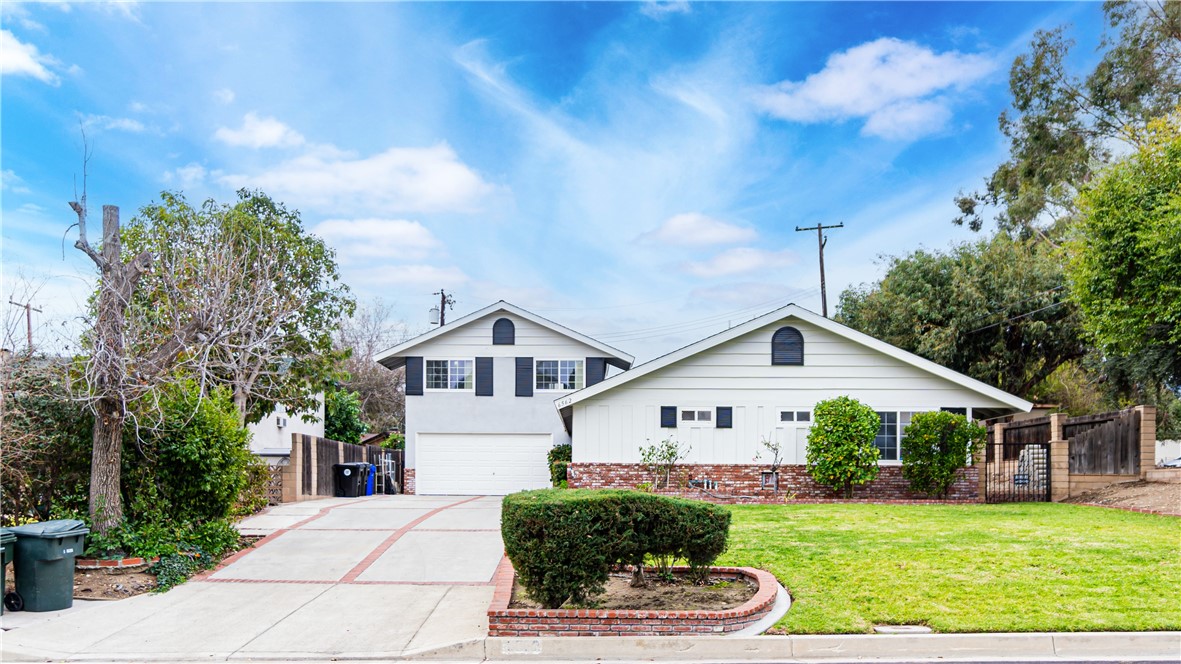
{"x": 722, "y": 592}
{"x": 1153, "y": 496}
{"x": 100, "y": 584}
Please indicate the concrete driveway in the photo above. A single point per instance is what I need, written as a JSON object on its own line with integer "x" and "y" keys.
{"x": 383, "y": 576}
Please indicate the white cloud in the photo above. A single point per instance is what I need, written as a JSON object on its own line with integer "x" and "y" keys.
{"x": 189, "y": 175}
{"x": 398, "y": 180}
{"x": 696, "y": 229}
{"x": 659, "y": 9}
{"x": 10, "y": 181}
{"x": 259, "y": 132}
{"x": 20, "y": 59}
{"x": 137, "y": 107}
{"x": 16, "y": 11}
{"x": 358, "y": 240}
{"x": 740, "y": 260}
{"x": 893, "y": 84}
{"x": 416, "y": 276}
{"x": 224, "y": 95}
{"x": 117, "y": 124}
{"x": 748, "y": 295}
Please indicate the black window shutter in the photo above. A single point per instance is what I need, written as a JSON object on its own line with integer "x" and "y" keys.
{"x": 524, "y": 376}
{"x": 668, "y": 417}
{"x": 725, "y": 417}
{"x": 504, "y": 333}
{"x": 483, "y": 376}
{"x": 596, "y": 370}
{"x": 413, "y": 376}
{"x": 787, "y": 347}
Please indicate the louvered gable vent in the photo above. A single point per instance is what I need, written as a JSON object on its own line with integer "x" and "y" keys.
{"x": 787, "y": 347}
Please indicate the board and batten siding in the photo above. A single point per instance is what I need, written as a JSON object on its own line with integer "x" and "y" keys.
{"x": 611, "y": 427}
{"x": 462, "y": 412}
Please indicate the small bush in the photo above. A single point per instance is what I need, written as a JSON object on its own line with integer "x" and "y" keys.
{"x": 661, "y": 458}
{"x": 559, "y": 460}
{"x": 342, "y": 416}
{"x": 564, "y": 543}
{"x": 841, "y": 453}
{"x": 937, "y": 445}
{"x": 253, "y": 497}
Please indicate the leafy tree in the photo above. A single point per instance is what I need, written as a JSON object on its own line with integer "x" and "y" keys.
{"x": 342, "y": 416}
{"x": 1062, "y": 126}
{"x": 364, "y": 334}
{"x": 993, "y": 309}
{"x": 1125, "y": 254}
{"x": 841, "y": 453}
{"x": 938, "y": 444}
{"x": 265, "y": 294}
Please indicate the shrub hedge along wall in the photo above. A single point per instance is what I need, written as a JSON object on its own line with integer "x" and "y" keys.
{"x": 564, "y": 543}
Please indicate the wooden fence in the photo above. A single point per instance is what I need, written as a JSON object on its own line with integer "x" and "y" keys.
{"x": 1106, "y": 444}
{"x": 312, "y": 459}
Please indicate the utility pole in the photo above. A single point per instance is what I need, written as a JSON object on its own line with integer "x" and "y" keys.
{"x": 822, "y": 240}
{"x": 445, "y": 301}
{"x": 29, "y": 309}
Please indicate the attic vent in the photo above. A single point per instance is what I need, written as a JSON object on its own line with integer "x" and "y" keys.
{"x": 787, "y": 347}
{"x": 504, "y": 333}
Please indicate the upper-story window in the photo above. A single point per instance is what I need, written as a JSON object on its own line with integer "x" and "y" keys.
{"x": 449, "y": 374}
{"x": 504, "y": 332}
{"x": 787, "y": 346}
{"x": 559, "y": 375}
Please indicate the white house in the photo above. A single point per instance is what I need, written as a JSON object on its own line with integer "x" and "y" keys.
{"x": 271, "y": 436}
{"x": 725, "y": 394}
{"x": 480, "y": 390}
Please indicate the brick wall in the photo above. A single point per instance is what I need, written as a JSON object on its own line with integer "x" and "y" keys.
{"x": 740, "y": 483}
{"x": 408, "y": 480}
{"x": 503, "y": 621}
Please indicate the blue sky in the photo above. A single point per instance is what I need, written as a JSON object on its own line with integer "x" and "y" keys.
{"x": 633, "y": 170}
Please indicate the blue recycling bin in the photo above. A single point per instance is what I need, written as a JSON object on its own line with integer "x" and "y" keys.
{"x": 369, "y": 482}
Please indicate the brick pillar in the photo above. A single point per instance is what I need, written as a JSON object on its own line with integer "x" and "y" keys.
{"x": 315, "y": 449}
{"x": 1147, "y": 439}
{"x": 292, "y": 481}
{"x": 1059, "y": 469}
{"x": 1057, "y": 422}
{"x": 998, "y": 440}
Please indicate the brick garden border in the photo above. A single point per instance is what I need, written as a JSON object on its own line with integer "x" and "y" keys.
{"x": 503, "y": 621}
{"x": 124, "y": 564}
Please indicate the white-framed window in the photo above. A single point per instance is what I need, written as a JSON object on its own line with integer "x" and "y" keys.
{"x": 798, "y": 415}
{"x": 697, "y": 417}
{"x": 558, "y": 375}
{"x": 891, "y": 438}
{"x": 450, "y": 374}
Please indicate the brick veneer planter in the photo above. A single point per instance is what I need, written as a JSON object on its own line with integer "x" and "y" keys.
{"x": 741, "y": 483}
{"x": 408, "y": 480}
{"x": 122, "y": 565}
{"x": 503, "y": 621}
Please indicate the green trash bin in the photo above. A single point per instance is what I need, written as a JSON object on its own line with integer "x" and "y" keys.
{"x": 7, "y": 544}
{"x": 45, "y": 562}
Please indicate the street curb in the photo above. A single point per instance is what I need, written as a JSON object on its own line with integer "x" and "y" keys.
{"x": 861, "y": 647}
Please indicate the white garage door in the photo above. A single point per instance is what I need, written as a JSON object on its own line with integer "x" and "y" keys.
{"x": 480, "y": 464}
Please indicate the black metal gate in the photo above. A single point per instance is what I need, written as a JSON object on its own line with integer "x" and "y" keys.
{"x": 1021, "y": 473}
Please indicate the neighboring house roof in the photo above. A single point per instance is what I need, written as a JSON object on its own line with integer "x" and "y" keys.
{"x": 795, "y": 311}
{"x": 396, "y": 357}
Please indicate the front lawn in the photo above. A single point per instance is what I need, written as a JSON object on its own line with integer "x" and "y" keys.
{"x": 969, "y": 568}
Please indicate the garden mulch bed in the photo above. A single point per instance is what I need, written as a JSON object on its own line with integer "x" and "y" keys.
{"x": 101, "y": 584}
{"x": 678, "y": 595}
{"x": 1156, "y": 497}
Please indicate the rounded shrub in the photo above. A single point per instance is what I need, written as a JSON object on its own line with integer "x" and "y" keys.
{"x": 937, "y": 445}
{"x": 564, "y": 543}
{"x": 559, "y": 460}
{"x": 841, "y": 453}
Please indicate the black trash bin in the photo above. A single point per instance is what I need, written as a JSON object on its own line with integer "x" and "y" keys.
{"x": 349, "y": 479}
{"x": 45, "y": 555}
{"x": 7, "y": 548}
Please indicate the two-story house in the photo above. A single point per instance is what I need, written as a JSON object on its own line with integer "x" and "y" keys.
{"x": 480, "y": 393}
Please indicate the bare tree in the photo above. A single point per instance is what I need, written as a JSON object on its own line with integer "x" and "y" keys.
{"x": 369, "y": 331}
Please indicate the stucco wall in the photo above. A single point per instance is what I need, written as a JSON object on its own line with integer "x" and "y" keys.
{"x": 268, "y": 436}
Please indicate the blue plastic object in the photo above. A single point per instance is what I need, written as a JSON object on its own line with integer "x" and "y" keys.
{"x": 369, "y": 482}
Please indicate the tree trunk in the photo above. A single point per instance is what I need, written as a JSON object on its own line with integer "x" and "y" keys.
{"x": 106, "y": 503}
{"x": 240, "y": 404}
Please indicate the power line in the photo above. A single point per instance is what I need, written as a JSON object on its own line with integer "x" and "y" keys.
{"x": 821, "y": 240}
{"x": 1013, "y": 318}
{"x": 700, "y": 323}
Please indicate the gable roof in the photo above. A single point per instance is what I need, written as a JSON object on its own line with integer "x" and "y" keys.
{"x": 395, "y": 357}
{"x": 795, "y": 311}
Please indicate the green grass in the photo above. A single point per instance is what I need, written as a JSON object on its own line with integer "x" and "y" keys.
{"x": 970, "y": 568}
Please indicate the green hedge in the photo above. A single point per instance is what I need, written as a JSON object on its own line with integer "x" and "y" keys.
{"x": 559, "y": 460}
{"x": 564, "y": 543}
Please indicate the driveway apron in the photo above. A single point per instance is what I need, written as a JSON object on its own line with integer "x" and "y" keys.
{"x": 377, "y": 576}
